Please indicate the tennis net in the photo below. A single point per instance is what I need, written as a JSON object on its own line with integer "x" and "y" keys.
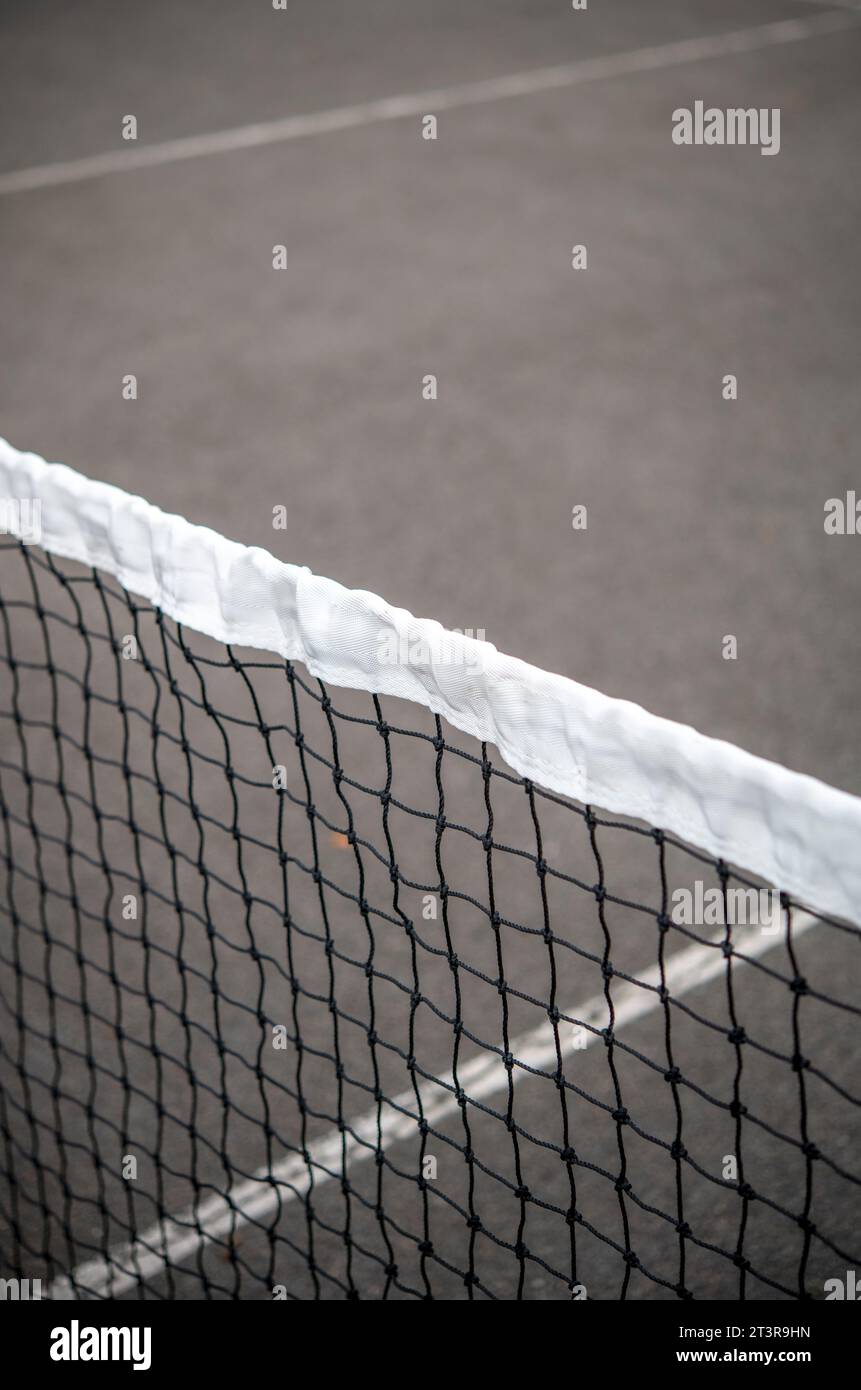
{"x": 306, "y": 992}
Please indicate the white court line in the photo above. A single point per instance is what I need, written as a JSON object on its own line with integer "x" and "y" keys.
{"x": 172, "y": 1242}
{"x": 420, "y": 103}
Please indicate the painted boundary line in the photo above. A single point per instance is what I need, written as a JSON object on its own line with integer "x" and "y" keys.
{"x": 171, "y": 1242}
{"x": 420, "y": 103}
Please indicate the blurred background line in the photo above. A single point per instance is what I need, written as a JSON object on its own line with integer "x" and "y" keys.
{"x": 444, "y": 99}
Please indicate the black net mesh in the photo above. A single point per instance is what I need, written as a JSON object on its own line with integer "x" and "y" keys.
{"x": 300, "y": 994}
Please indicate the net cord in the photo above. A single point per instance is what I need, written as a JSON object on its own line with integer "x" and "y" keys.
{"x": 799, "y": 834}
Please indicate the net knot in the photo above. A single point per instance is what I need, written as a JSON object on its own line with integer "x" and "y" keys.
{"x": 621, "y": 1116}
{"x": 673, "y": 1075}
{"x": 799, "y": 985}
{"x": 799, "y": 1062}
{"x": 568, "y": 1155}
{"x": 736, "y": 1036}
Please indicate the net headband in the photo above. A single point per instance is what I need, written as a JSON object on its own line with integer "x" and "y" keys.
{"x": 801, "y": 835}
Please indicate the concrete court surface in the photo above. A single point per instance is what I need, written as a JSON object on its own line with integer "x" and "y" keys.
{"x": 408, "y": 257}
{"x": 453, "y": 257}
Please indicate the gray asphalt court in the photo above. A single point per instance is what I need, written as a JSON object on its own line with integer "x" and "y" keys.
{"x": 564, "y": 384}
